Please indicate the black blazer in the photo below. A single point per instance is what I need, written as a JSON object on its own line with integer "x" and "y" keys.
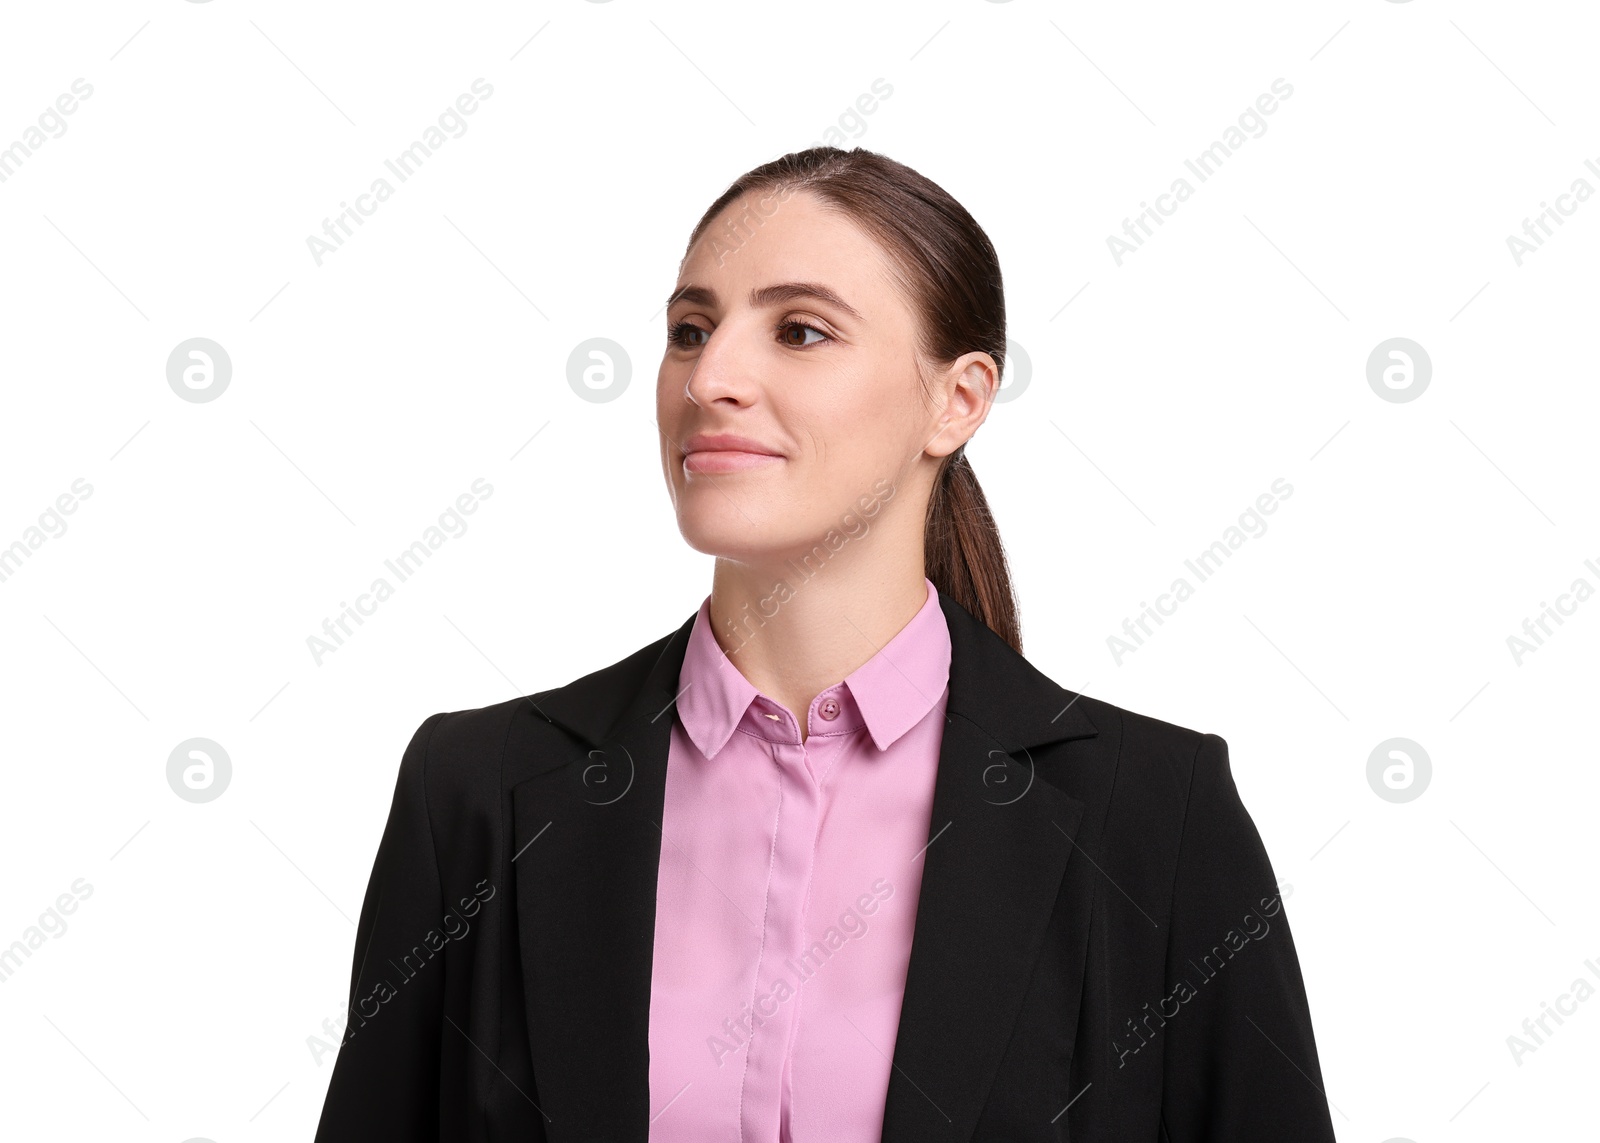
{"x": 1099, "y": 953}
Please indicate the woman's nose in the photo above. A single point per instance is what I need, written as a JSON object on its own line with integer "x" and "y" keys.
{"x": 722, "y": 369}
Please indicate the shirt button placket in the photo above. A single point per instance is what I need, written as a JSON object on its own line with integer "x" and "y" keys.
{"x": 793, "y": 846}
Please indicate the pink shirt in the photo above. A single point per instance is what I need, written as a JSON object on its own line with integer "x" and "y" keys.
{"x": 787, "y": 893}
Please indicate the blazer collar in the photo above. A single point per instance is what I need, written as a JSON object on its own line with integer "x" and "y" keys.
{"x": 587, "y": 839}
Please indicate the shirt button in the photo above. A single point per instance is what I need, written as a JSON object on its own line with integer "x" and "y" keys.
{"x": 829, "y": 709}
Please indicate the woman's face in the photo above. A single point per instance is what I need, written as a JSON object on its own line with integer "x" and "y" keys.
{"x": 788, "y": 333}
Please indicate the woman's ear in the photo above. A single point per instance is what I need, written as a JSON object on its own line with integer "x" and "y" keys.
{"x": 970, "y": 384}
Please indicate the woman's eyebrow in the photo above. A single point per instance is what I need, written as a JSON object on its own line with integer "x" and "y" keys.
{"x": 770, "y": 295}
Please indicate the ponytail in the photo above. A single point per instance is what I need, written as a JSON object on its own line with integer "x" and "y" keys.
{"x": 963, "y": 553}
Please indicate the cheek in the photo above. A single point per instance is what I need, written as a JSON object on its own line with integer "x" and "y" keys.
{"x": 668, "y": 427}
{"x": 860, "y": 430}
{"x": 850, "y": 449}
{"x": 669, "y": 401}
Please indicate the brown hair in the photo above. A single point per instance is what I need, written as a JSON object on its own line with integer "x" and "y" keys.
{"x": 948, "y": 269}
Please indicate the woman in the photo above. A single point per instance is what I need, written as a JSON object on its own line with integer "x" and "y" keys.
{"x": 950, "y": 900}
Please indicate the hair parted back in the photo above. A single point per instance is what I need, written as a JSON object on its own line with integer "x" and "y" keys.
{"x": 948, "y": 268}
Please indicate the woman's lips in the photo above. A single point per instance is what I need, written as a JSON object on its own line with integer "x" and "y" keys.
{"x": 726, "y": 460}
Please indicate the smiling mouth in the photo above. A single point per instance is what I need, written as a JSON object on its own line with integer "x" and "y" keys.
{"x": 726, "y": 460}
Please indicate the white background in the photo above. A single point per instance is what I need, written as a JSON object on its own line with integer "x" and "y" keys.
{"x": 1166, "y": 394}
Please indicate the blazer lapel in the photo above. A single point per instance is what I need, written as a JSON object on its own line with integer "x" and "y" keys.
{"x": 992, "y": 873}
{"x": 587, "y": 848}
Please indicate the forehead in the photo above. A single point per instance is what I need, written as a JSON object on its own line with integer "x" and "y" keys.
{"x": 801, "y": 238}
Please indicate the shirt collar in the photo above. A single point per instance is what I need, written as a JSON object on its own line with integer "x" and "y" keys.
{"x": 893, "y": 690}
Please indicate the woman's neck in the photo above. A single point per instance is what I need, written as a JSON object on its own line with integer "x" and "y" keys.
{"x": 794, "y": 630}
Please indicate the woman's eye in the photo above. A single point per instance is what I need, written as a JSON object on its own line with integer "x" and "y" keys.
{"x": 683, "y": 333}
{"x": 788, "y": 329}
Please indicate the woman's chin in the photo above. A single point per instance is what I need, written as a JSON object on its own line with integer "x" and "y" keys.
{"x": 733, "y": 537}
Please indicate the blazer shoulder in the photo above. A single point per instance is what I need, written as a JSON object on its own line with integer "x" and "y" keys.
{"x": 1140, "y": 737}
{"x": 1152, "y": 760}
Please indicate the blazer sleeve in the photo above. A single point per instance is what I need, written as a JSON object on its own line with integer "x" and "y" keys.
{"x": 1240, "y": 1057}
{"x": 385, "y": 1082}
